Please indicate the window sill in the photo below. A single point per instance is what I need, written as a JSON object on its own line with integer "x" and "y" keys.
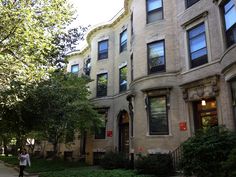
{"x": 158, "y": 136}
{"x": 102, "y": 59}
{"x": 121, "y": 52}
{"x": 155, "y": 23}
{"x": 100, "y": 140}
{"x": 199, "y": 67}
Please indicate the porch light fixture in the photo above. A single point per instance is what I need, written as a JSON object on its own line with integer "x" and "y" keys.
{"x": 203, "y": 103}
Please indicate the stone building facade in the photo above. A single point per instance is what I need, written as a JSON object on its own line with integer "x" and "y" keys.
{"x": 161, "y": 69}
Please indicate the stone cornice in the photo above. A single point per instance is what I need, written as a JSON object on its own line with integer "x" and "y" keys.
{"x": 202, "y": 15}
{"x": 121, "y": 15}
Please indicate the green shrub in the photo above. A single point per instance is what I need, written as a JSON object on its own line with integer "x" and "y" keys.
{"x": 229, "y": 166}
{"x": 114, "y": 160}
{"x": 204, "y": 153}
{"x": 156, "y": 164}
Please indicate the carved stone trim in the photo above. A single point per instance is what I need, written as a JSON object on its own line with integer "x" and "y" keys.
{"x": 201, "y": 89}
{"x": 130, "y": 99}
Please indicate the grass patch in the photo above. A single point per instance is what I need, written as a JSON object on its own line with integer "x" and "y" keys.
{"x": 60, "y": 168}
{"x": 88, "y": 172}
{"x": 42, "y": 165}
{"x": 13, "y": 160}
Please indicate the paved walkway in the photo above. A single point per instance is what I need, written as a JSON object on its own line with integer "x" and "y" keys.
{"x": 9, "y": 172}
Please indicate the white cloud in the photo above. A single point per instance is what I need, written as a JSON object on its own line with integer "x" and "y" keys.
{"x": 91, "y": 12}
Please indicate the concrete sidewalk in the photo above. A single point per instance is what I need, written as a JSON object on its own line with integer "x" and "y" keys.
{"x": 9, "y": 172}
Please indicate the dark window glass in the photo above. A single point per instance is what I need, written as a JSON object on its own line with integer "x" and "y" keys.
{"x": 132, "y": 67}
{"x": 132, "y": 23}
{"x": 103, "y": 50}
{"x": 102, "y": 85}
{"x": 154, "y": 10}
{"x": 197, "y": 45}
{"x": 233, "y": 89}
{"x": 75, "y": 68}
{"x": 158, "y": 119}
{"x": 123, "y": 78}
{"x": 156, "y": 57}
{"x": 69, "y": 136}
{"x": 123, "y": 41}
{"x": 190, "y": 2}
{"x": 230, "y": 22}
{"x": 100, "y": 133}
{"x": 98, "y": 157}
{"x": 87, "y": 67}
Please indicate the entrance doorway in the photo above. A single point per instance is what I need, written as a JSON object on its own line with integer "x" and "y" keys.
{"x": 205, "y": 114}
{"x": 123, "y": 119}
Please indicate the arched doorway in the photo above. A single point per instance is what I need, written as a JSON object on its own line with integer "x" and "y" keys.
{"x": 123, "y": 119}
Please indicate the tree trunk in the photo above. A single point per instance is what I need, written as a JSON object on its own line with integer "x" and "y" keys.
{"x": 5, "y": 150}
{"x": 55, "y": 149}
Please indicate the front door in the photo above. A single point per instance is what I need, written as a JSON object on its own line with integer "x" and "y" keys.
{"x": 124, "y": 132}
{"x": 205, "y": 114}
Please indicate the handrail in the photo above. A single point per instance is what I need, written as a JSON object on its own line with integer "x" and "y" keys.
{"x": 176, "y": 157}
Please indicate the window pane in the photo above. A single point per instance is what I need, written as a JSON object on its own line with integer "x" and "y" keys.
{"x": 196, "y": 31}
{"x": 231, "y": 35}
{"x": 197, "y": 46}
{"x": 156, "y": 57}
{"x": 229, "y": 5}
{"x": 123, "y": 41}
{"x": 103, "y": 49}
{"x": 157, "y": 61}
{"x": 123, "y": 79}
{"x": 199, "y": 53}
{"x": 87, "y": 67}
{"x": 230, "y": 18}
{"x": 103, "y": 45}
{"x": 197, "y": 43}
{"x": 123, "y": 47}
{"x": 158, "y": 115}
{"x": 132, "y": 67}
{"x": 102, "y": 85}
{"x": 191, "y": 2}
{"x": 88, "y": 63}
{"x": 100, "y": 133}
{"x": 156, "y": 50}
{"x": 233, "y": 89}
{"x": 75, "y": 68}
{"x": 123, "y": 36}
{"x": 154, "y": 16}
{"x": 153, "y": 4}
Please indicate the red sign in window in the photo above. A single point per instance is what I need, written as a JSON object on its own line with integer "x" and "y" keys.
{"x": 183, "y": 126}
{"x": 109, "y": 133}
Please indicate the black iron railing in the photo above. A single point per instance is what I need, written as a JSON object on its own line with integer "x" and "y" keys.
{"x": 176, "y": 157}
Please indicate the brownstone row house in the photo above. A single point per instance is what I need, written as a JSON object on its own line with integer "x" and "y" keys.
{"x": 162, "y": 69}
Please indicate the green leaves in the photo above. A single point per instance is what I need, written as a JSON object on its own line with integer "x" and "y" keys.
{"x": 27, "y": 34}
{"x": 204, "y": 153}
{"x": 33, "y": 96}
{"x": 61, "y": 107}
